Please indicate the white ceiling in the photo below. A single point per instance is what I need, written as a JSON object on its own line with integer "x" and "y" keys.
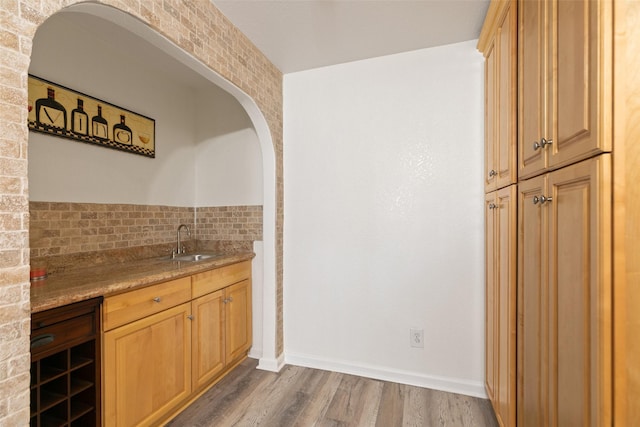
{"x": 299, "y": 35}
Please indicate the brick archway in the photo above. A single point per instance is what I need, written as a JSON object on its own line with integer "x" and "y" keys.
{"x": 199, "y": 30}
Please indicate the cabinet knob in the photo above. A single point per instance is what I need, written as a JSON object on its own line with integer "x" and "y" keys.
{"x": 536, "y": 145}
{"x": 157, "y": 299}
{"x": 492, "y": 206}
{"x": 230, "y": 299}
{"x": 545, "y": 142}
{"x": 536, "y": 199}
{"x": 190, "y": 317}
{"x": 544, "y": 199}
{"x": 492, "y": 173}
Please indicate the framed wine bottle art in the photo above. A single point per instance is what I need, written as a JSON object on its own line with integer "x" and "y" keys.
{"x": 60, "y": 111}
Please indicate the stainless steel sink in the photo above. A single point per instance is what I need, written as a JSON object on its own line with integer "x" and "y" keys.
{"x": 193, "y": 257}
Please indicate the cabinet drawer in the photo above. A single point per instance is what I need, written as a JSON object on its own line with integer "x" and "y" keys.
{"x": 62, "y": 334}
{"x": 124, "y": 308}
{"x": 210, "y": 281}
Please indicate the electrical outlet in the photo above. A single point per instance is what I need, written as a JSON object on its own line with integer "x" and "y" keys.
{"x": 416, "y": 338}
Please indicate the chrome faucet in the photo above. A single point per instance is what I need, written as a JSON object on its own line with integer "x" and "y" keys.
{"x": 179, "y": 248}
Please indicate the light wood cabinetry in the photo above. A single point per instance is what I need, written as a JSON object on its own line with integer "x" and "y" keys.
{"x": 532, "y": 334}
{"x": 146, "y": 367}
{"x": 564, "y": 296}
{"x": 162, "y": 348}
{"x": 222, "y": 323}
{"x": 564, "y": 83}
{"x": 626, "y": 211}
{"x": 501, "y": 302}
{"x": 491, "y": 320}
{"x": 238, "y": 320}
{"x": 567, "y": 352}
{"x": 498, "y": 43}
{"x": 125, "y": 308}
{"x": 208, "y": 358}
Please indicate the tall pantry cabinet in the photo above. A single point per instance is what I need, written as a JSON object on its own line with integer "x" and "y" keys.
{"x": 499, "y": 48}
{"x": 577, "y": 210}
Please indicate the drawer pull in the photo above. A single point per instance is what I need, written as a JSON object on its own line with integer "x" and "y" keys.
{"x": 156, "y": 299}
{"x": 41, "y": 340}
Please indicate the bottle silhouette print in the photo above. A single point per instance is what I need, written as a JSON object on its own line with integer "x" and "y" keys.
{"x": 80, "y": 119}
{"x": 99, "y": 126}
{"x": 50, "y": 113}
{"x": 122, "y": 132}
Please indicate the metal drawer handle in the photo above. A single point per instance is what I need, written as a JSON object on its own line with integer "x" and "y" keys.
{"x": 156, "y": 299}
{"x": 544, "y": 199}
{"x": 536, "y": 199}
{"x": 536, "y": 145}
{"x": 41, "y": 340}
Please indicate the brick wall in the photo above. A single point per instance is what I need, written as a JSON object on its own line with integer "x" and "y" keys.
{"x": 70, "y": 235}
{"x": 201, "y": 30}
{"x": 229, "y": 223}
{"x": 68, "y": 228}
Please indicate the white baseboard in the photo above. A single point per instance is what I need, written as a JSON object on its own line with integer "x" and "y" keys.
{"x": 451, "y": 385}
{"x": 270, "y": 364}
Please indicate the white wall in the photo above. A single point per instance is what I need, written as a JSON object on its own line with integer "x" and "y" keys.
{"x": 65, "y": 170}
{"x": 384, "y": 217}
{"x": 228, "y": 160}
{"x": 207, "y": 152}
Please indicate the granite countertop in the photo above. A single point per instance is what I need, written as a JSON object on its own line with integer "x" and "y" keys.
{"x": 80, "y": 284}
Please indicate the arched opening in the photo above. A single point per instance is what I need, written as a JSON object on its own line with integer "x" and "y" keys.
{"x": 120, "y": 32}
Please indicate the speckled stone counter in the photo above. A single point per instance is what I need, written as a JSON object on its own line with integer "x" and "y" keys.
{"x": 79, "y": 284}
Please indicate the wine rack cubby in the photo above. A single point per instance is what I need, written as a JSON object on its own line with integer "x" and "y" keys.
{"x": 65, "y": 366}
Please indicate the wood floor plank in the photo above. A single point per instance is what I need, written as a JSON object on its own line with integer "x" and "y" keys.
{"x": 276, "y": 397}
{"x": 292, "y": 405}
{"x": 304, "y": 397}
{"x": 320, "y": 399}
{"x": 391, "y": 409}
{"x": 354, "y": 401}
{"x": 415, "y": 413}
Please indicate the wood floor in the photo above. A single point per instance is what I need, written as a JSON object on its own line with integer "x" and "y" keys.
{"x": 309, "y": 397}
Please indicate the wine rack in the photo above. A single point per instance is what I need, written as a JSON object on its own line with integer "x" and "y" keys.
{"x": 65, "y": 366}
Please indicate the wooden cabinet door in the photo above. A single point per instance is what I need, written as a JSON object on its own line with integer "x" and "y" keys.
{"x": 490, "y": 120}
{"x": 237, "y": 320}
{"x": 147, "y": 367}
{"x": 564, "y": 83}
{"x": 579, "y": 280}
{"x": 506, "y": 137}
{"x": 531, "y": 87}
{"x": 491, "y": 321}
{"x": 500, "y": 229}
{"x": 506, "y": 304}
{"x": 532, "y": 303}
{"x": 579, "y": 72}
{"x": 500, "y": 101}
{"x": 208, "y": 338}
